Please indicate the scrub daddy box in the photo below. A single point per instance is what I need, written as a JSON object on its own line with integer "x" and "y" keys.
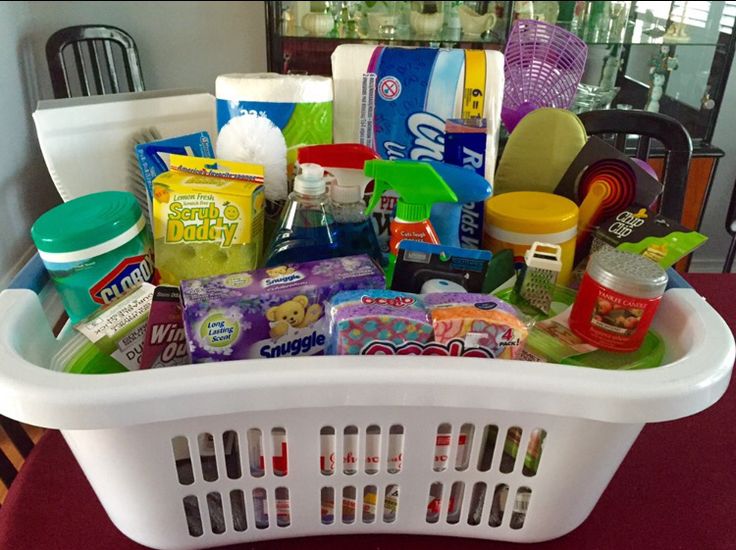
{"x": 272, "y": 312}
{"x": 207, "y": 218}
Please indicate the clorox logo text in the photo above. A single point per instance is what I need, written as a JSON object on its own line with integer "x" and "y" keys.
{"x": 129, "y": 274}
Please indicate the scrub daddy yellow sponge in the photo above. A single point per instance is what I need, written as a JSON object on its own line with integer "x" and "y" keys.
{"x": 207, "y": 218}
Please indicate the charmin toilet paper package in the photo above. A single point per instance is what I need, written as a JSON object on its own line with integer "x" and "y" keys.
{"x": 397, "y": 100}
{"x": 299, "y": 105}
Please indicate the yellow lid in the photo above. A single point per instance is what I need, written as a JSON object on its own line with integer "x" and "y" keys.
{"x": 531, "y": 212}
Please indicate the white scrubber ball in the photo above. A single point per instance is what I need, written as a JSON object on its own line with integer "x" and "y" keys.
{"x": 255, "y": 139}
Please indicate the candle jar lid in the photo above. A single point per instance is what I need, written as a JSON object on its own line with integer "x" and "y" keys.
{"x": 627, "y": 273}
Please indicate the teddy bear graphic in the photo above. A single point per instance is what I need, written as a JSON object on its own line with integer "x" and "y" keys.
{"x": 349, "y": 264}
{"x": 279, "y": 271}
{"x": 295, "y": 313}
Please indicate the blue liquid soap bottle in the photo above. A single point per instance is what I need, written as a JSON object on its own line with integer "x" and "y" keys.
{"x": 354, "y": 227}
{"x": 307, "y": 231}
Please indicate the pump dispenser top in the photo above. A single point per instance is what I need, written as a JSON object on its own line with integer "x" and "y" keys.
{"x": 311, "y": 181}
{"x": 307, "y": 230}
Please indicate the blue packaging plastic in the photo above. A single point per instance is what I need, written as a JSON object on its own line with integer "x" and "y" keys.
{"x": 153, "y": 157}
{"x": 465, "y": 145}
{"x": 416, "y": 92}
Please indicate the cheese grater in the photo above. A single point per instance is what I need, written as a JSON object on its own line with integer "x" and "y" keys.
{"x": 543, "y": 265}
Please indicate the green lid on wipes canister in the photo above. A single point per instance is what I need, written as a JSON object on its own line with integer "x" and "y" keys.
{"x": 85, "y": 222}
{"x": 96, "y": 248}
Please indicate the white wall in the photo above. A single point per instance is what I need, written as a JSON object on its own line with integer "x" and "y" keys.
{"x": 710, "y": 257}
{"x": 181, "y": 45}
{"x": 25, "y": 186}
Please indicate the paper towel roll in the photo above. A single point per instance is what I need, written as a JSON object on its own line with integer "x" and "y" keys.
{"x": 299, "y": 105}
{"x": 274, "y": 87}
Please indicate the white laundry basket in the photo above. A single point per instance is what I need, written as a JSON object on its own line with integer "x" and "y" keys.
{"x": 125, "y": 429}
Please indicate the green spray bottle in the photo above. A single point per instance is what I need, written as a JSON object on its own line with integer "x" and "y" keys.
{"x": 419, "y": 186}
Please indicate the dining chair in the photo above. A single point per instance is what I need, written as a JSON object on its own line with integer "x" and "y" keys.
{"x": 640, "y": 127}
{"x": 17, "y": 437}
{"x": 101, "y": 53}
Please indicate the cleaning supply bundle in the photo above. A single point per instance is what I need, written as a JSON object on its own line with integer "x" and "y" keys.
{"x": 362, "y": 321}
{"x": 110, "y": 340}
{"x": 300, "y": 106}
{"x": 385, "y": 322}
{"x": 272, "y": 312}
{"x": 477, "y": 321}
{"x": 345, "y": 161}
{"x": 105, "y": 252}
{"x": 517, "y": 220}
{"x": 165, "y": 344}
{"x": 414, "y": 205}
{"x": 396, "y": 100}
{"x": 207, "y": 218}
{"x": 307, "y": 230}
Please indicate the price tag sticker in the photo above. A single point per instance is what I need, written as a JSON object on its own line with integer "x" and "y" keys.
{"x": 474, "y": 87}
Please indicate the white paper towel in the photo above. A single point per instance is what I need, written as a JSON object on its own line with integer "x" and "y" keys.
{"x": 299, "y": 105}
{"x": 351, "y": 61}
{"x": 274, "y": 87}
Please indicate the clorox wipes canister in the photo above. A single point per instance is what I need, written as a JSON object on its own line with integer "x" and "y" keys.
{"x": 95, "y": 248}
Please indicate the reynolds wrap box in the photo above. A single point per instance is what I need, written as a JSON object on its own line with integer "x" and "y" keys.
{"x": 272, "y": 312}
{"x": 465, "y": 145}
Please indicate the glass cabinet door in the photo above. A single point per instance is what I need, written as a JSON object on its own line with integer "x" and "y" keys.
{"x": 670, "y": 57}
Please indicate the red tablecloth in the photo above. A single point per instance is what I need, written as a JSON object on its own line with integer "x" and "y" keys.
{"x": 675, "y": 489}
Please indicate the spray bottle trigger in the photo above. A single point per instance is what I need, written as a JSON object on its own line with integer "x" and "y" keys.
{"x": 379, "y": 188}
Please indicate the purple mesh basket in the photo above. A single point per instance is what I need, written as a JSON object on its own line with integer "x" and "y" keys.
{"x": 543, "y": 66}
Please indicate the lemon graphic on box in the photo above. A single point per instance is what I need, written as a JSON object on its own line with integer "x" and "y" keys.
{"x": 231, "y": 211}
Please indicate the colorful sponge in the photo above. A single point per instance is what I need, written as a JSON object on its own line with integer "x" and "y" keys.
{"x": 480, "y": 321}
{"x": 360, "y": 318}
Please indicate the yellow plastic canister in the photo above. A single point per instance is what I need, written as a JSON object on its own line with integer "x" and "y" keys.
{"x": 517, "y": 220}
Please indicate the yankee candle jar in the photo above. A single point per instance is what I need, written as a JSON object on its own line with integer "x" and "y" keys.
{"x": 617, "y": 300}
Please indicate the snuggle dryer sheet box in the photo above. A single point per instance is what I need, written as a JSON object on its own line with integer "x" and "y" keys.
{"x": 272, "y": 312}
